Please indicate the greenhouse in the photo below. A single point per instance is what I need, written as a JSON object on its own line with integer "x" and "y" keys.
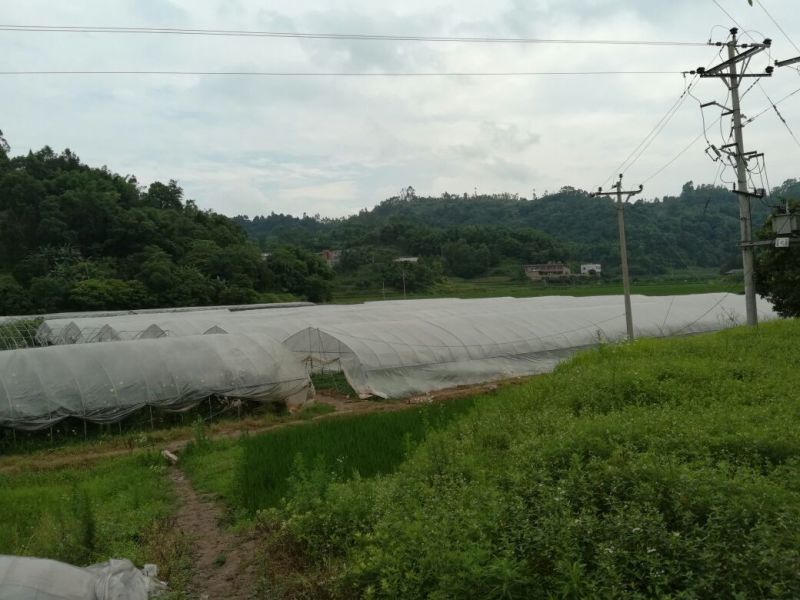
{"x": 105, "y": 382}
{"x": 392, "y": 359}
{"x": 122, "y": 363}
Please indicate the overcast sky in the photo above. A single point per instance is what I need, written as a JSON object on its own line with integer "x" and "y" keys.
{"x": 335, "y": 145}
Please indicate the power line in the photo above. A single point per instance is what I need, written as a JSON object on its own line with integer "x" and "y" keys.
{"x": 339, "y": 74}
{"x": 786, "y": 97}
{"x": 731, "y": 17}
{"x": 681, "y": 153}
{"x": 661, "y": 127}
{"x": 780, "y": 116}
{"x": 777, "y": 25}
{"x": 330, "y": 36}
{"x": 652, "y": 133}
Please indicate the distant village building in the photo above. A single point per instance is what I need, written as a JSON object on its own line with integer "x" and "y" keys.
{"x": 591, "y": 269}
{"x": 547, "y": 271}
{"x": 407, "y": 259}
{"x": 331, "y": 257}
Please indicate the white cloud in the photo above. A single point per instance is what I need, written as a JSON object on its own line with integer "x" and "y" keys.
{"x": 334, "y": 145}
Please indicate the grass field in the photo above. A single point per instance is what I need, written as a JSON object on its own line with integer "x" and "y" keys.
{"x": 657, "y": 469}
{"x": 489, "y": 287}
{"x": 85, "y": 515}
{"x": 256, "y": 472}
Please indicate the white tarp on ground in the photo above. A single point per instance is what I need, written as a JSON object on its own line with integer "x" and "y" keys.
{"x": 394, "y": 359}
{"x": 23, "y": 578}
{"x": 106, "y": 382}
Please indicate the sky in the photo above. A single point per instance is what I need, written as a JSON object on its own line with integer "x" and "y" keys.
{"x": 335, "y": 145}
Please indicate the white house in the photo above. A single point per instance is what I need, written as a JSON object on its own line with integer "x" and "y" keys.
{"x": 591, "y": 269}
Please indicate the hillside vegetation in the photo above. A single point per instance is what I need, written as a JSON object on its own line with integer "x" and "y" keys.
{"x": 73, "y": 237}
{"x": 665, "y": 468}
{"x": 470, "y": 236}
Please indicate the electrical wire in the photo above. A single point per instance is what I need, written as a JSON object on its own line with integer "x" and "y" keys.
{"x": 653, "y": 132}
{"x": 772, "y": 105}
{"x": 771, "y": 18}
{"x": 687, "y": 91}
{"x": 661, "y": 127}
{"x": 330, "y": 36}
{"x": 679, "y": 154}
{"x": 731, "y": 18}
{"x": 662, "y": 123}
{"x": 334, "y": 74}
{"x": 780, "y": 116}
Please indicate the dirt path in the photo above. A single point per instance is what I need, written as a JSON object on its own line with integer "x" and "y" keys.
{"x": 84, "y": 456}
{"x": 225, "y": 564}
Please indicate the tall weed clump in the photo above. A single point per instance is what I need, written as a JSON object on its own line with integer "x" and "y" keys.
{"x": 655, "y": 469}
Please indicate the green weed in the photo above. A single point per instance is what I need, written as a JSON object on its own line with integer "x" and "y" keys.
{"x": 368, "y": 445}
{"x": 83, "y": 515}
{"x": 648, "y": 470}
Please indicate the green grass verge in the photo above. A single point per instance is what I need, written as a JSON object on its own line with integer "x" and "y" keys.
{"x": 489, "y": 287}
{"x": 212, "y": 467}
{"x": 256, "y": 472}
{"x": 663, "y": 468}
{"x": 85, "y": 515}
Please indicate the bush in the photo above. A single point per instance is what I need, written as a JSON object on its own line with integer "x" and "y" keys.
{"x": 653, "y": 469}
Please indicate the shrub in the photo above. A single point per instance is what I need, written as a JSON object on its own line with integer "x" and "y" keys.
{"x": 654, "y": 469}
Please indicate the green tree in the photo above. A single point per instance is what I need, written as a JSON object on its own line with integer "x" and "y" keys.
{"x": 777, "y": 270}
{"x": 49, "y": 293}
{"x": 96, "y": 294}
{"x": 465, "y": 260}
{"x": 13, "y": 298}
{"x": 417, "y": 277}
{"x": 318, "y": 289}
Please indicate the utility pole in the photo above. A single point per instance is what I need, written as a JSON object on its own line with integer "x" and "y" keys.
{"x": 623, "y": 246}
{"x": 729, "y": 73}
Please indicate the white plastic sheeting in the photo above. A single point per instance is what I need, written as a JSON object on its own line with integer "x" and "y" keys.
{"x": 106, "y": 382}
{"x": 23, "y": 578}
{"x": 394, "y": 359}
{"x": 275, "y": 322}
{"x": 396, "y": 348}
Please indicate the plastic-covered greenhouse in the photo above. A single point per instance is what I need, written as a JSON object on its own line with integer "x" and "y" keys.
{"x": 105, "y": 382}
{"x": 386, "y": 349}
{"x": 398, "y": 358}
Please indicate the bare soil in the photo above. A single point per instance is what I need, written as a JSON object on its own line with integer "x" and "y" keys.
{"x": 225, "y": 564}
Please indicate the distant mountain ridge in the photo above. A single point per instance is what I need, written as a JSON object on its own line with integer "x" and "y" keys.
{"x": 698, "y": 228}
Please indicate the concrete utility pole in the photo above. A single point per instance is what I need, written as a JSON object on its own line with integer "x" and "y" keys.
{"x": 623, "y": 246}
{"x": 729, "y": 73}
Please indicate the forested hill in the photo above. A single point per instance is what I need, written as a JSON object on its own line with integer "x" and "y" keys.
{"x": 699, "y": 227}
{"x": 73, "y": 237}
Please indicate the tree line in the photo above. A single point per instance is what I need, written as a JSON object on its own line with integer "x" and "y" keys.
{"x": 73, "y": 237}
{"x": 467, "y": 236}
